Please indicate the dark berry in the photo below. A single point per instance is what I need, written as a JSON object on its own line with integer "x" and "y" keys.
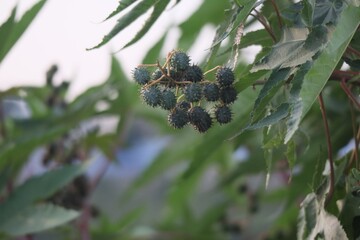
{"x": 200, "y": 119}
{"x": 179, "y": 61}
{"x": 193, "y": 92}
{"x": 183, "y": 105}
{"x": 178, "y": 118}
{"x": 193, "y": 74}
{"x": 151, "y": 96}
{"x": 141, "y": 75}
{"x": 168, "y": 100}
{"x": 225, "y": 76}
{"x": 228, "y": 94}
{"x": 223, "y": 114}
{"x": 211, "y": 92}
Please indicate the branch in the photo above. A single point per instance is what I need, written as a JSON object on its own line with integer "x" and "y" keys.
{"x": 329, "y": 147}
{"x": 353, "y": 50}
{"x": 349, "y": 94}
{"x": 266, "y": 26}
{"x": 277, "y": 13}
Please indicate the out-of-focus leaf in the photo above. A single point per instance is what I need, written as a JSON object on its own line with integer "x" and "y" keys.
{"x": 154, "y": 53}
{"x": 159, "y": 7}
{"x": 126, "y": 20}
{"x": 36, "y": 188}
{"x": 37, "y": 218}
{"x": 249, "y": 79}
{"x": 315, "y": 80}
{"x": 5, "y": 30}
{"x": 123, "y": 4}
{"x": 291, "y": 155}
{"x": 19, "y": 27}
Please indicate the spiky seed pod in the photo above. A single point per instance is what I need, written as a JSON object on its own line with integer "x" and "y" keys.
{"x": 228, "y": 94}
{"x": 211, "y": 92}
{"x": 151, "y": 96}
{"x": 141, "y": 75}
{"x": 200, "y": 119}
{"x": 179, "y": 61}
{"x": 193, "y": 92}
{"x": 178, "y": 118}
{"x": 156, "y": 74}
{"x": 225, "y": 76}
{"x": 183, "y": 105}
{"x": 168, "y": 99}
{"x": 223, "y": 114}
{"x": 193, "y": 74}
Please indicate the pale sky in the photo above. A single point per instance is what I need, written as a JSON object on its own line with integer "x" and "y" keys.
{"x": 63, "y": 30}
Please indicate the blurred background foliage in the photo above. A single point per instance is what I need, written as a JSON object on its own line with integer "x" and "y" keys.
{"x": 106, "y": 166}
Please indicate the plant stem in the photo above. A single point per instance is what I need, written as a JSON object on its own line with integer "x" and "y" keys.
{"x": 349, "y": 94}
{"x": 353, "y": 50}
{"x": 277, "y": 13}
{"x": 266, "y": 26}
{"x": 329, "y": 147}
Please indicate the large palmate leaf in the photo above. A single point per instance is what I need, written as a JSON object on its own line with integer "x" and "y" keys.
{"x": 296, "y": 47}
{"x": 12, "y": 30}
{"x": 36, "y": 188}
{"x": 37, "y": 218}
{"x": 315, "y": 79}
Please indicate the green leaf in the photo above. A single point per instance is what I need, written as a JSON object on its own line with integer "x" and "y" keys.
{"x": 19, "y": 28}
{"x": 126, "y": 20}
{"x": 327, "y": 11}
{"x": 159, "y": 7}
{"x": 249, "y": 79}
{"x": 292, "y": 123}
{"x": 5, "y": 30}
{"x": 123, "y": 4}
{"x": 37, "y": 218}
{"x": 36, "y": 188}
{"x": 308, "y": 12}
{"x": 272, "y": 85}
{"x": 295, "y": 48}
{"x": 274, "y": 117}
{"x": 315, "y": 221}
{"x": 315, "y": 79}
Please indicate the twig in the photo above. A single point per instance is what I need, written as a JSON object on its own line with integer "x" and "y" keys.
{"x": 329, "y": 147}
{"x": 277, "y": 13}
{"x": 348, "y": 93}
{"x": 353, "y": 50}
{"x": 354, "y": 154}
{"x": 266, "y": 26}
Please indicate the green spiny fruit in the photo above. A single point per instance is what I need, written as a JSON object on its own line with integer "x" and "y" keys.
{"x": 228, "y": 94}
{"x": 141, "y": 75}
{"x": 193, "y": 74}
{"x": 193, "y": 92}
{"x": 178, "y": 118}
{"x": 151, "y": 96}
{"x": 225, "y": 76}
{"x": 168, "y": 100}
{"x": 223, "y": 114}
{"x": 179, "y": 61}
{"x": 200, "y": 119}
{"x": 211, "y": 92}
